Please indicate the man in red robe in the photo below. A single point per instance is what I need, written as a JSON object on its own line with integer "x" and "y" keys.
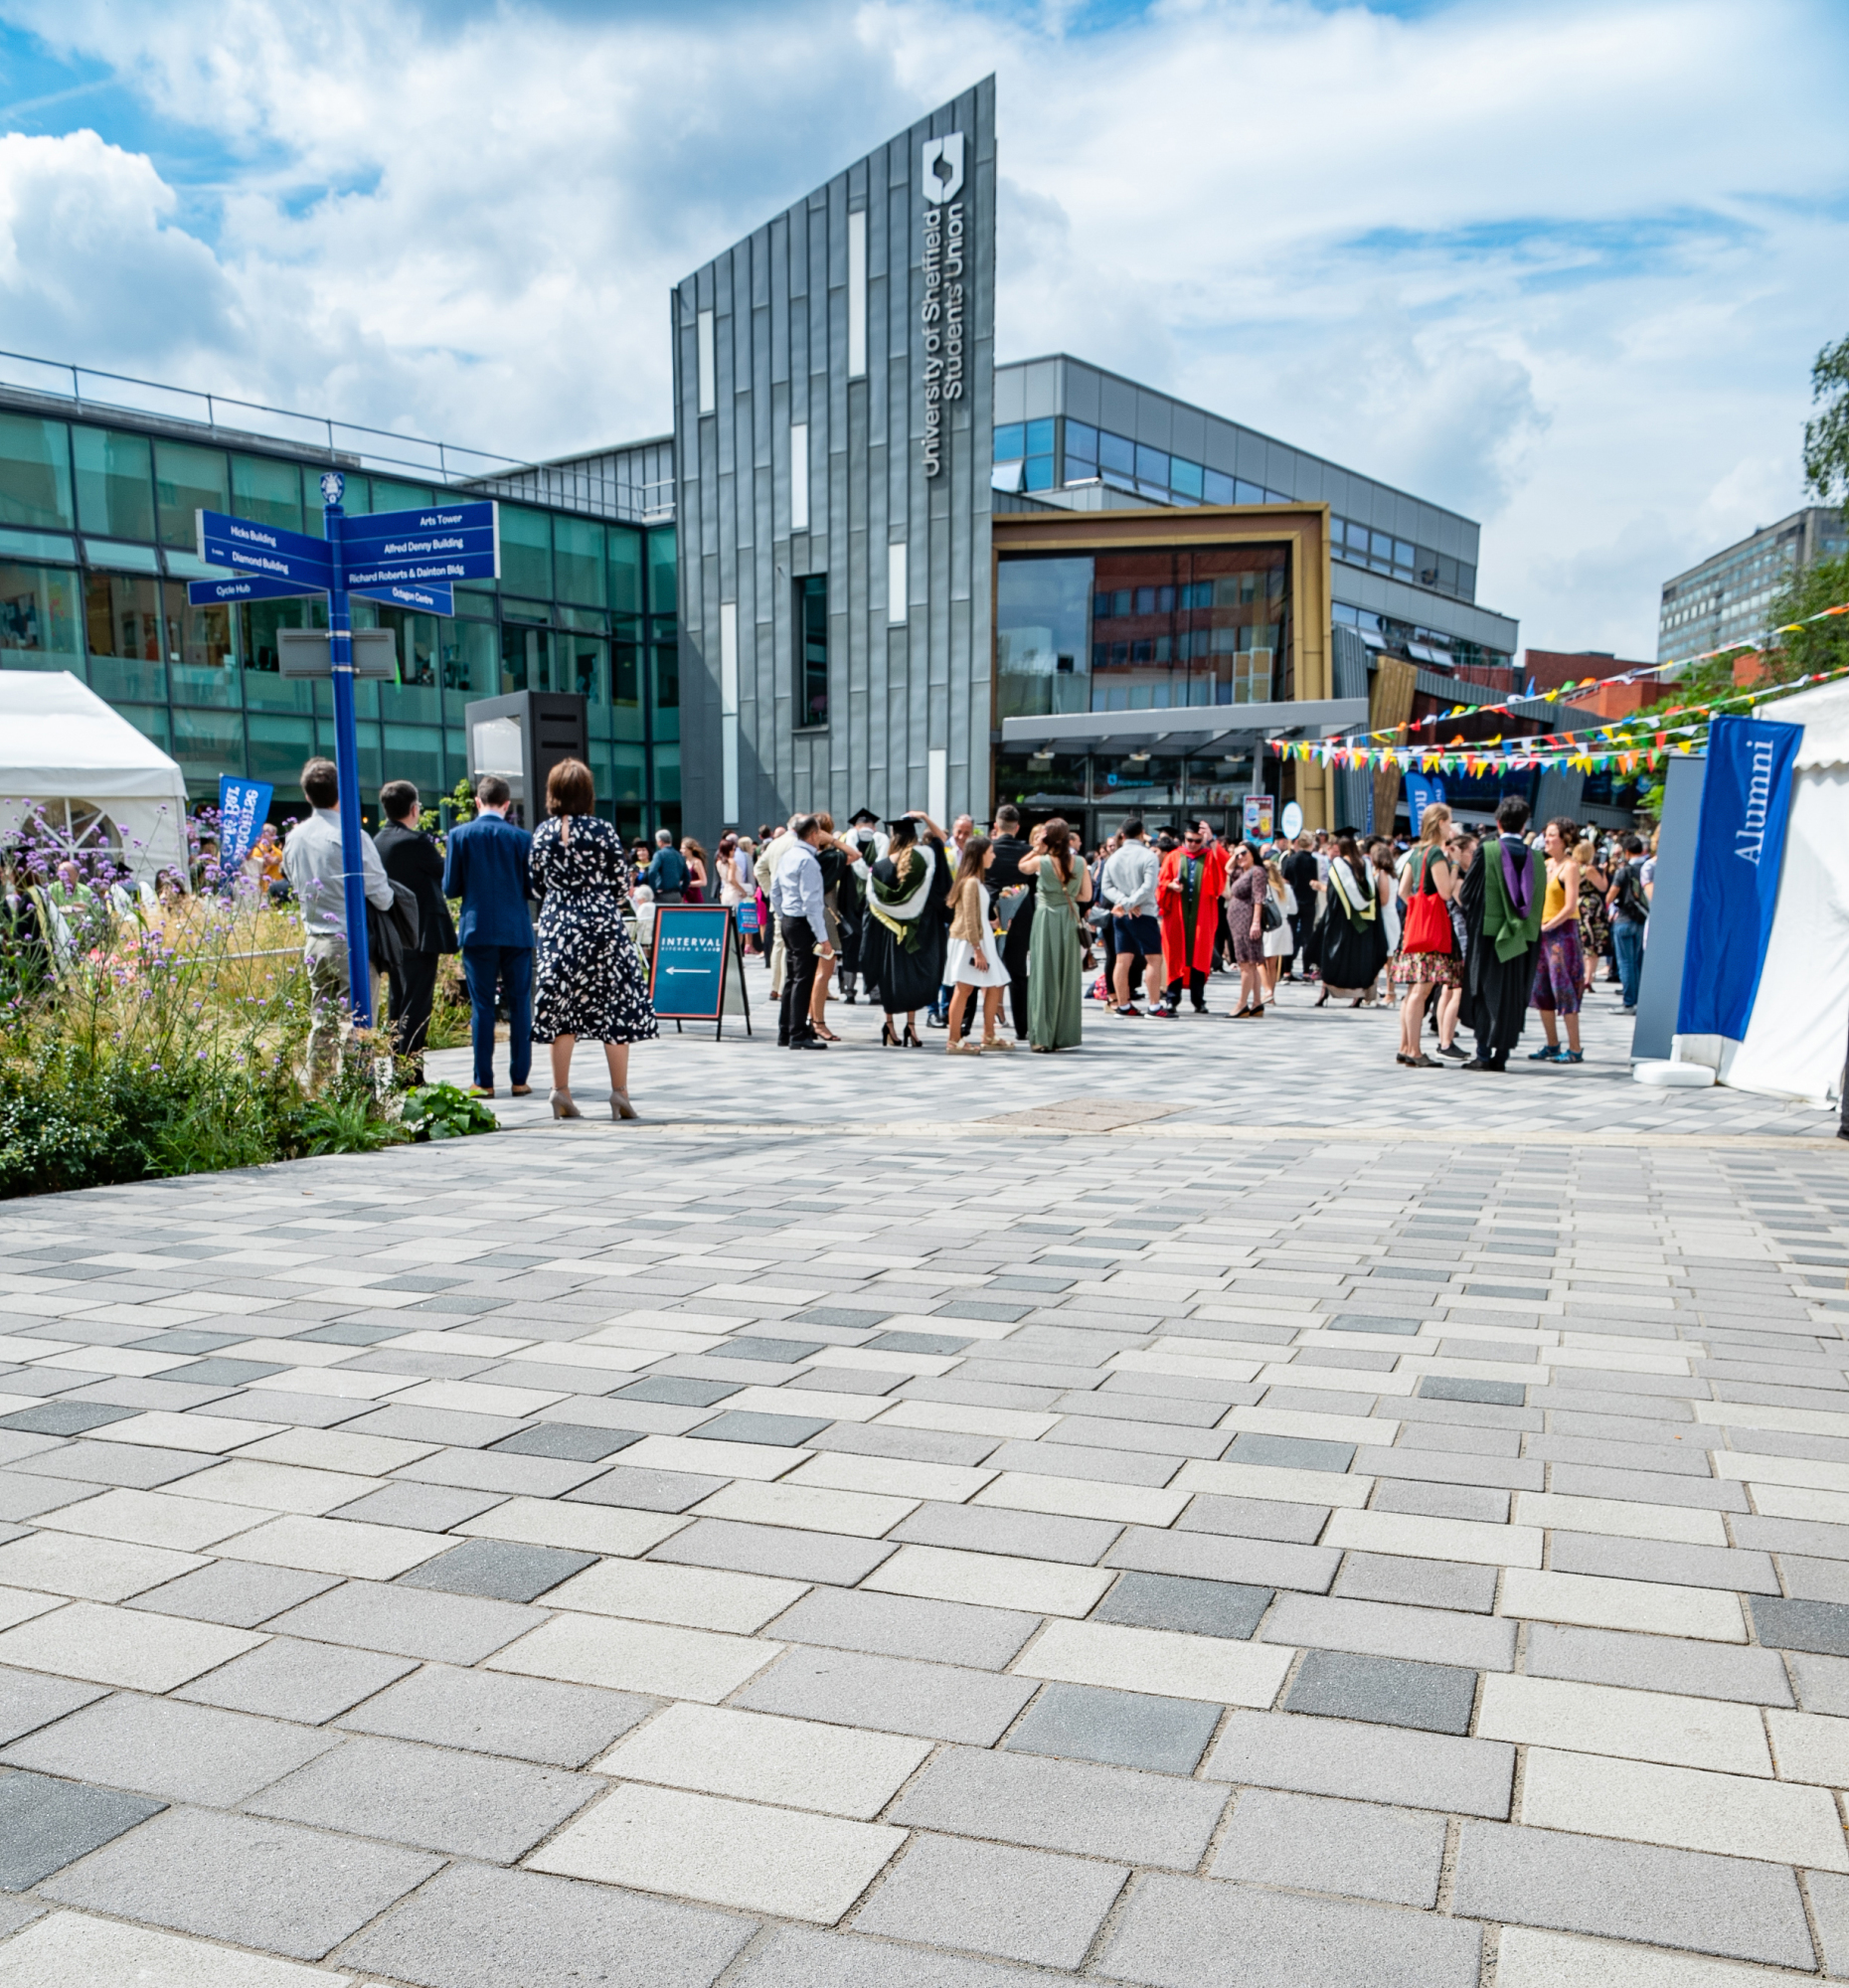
{"x": 1188, "y": 893}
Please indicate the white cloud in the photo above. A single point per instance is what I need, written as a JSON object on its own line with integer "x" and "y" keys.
{"x": 1521, "y": 259}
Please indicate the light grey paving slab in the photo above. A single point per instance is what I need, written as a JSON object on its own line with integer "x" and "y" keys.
{"x": 1193, "y": 1932}
{"x": 1254, "y": 1518}
{"x": 252, "y": 1881}
{"x": 133, "y": 1464}
{"x": 1309, "y": 1843}
{"x": 1123, "y": 1729}
{"x": 526, "y": 1719}
{"x": 177, "y": 1751}
{"x": 433, "y": 1508}
{"x": 1829, "y": 1905}
{"x": 833, "y": 1557}
{"x": 1019, "y": 1904}
{"x": 46, "y": 1824}
{"x": 911, "y": 1445}
{"x": 935, "y": 1701}
{"x": 1046, "y": 1804}
{"x": 499, "y": 1469}
{"x": 900, "y": 1625}
{"x": 240, "y": 1593}
{"x": 1822, "y": 1682}
{"x": 1338, "y": 1684}
{"x": 25, "y": 1497}
{"x": 1360, "y": 1763}
{"x": 408, "y": 1621}
{"x": 796, "y": 1958}
{"x": 504, "y": 1569}
{"x": 989, "y": 1529}
{"x": 482, "y": 1927}
{"x": 1733, "y": 1905}
{"x": 1047, "y": 1459}
{"x": 432, "y": 1797}
{"x": 28, "y": 1701}
{"x": 309, "y": 1683}
{"x": 1391, "y": 1629}
{"x": 416, "y": 1424}
{"x": 1658, "y": 1663}
{"x": 647, "y": 1490}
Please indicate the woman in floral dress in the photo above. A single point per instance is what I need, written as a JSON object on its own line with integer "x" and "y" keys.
{"x": 588, "y": 977}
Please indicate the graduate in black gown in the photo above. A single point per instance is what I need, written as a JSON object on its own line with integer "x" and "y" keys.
{"x": 1501, "y": 896}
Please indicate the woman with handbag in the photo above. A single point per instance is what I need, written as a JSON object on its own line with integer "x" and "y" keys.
{"x": 1427, "y": 955}
{"x": 1054, "y": 983}
{"x": 1247, "y": 894}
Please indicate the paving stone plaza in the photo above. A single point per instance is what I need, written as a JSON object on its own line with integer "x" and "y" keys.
{"x": 1208, "y": 1509}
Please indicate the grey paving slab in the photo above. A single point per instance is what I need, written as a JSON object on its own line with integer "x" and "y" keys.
{"x": 1658, "y": 1663}
{"x": 134, "y": 1466}
{"x": 935, "y": 1701}
{"x": 1821, "y": 1626}
{"x": 28, "y": 1701}
{"x": 1254, "y": 1519}
{"x": 679, "y": 1390}
{"x": 480, "y": 1927}
{"x": 309, "y": 1683}
{"x": 1442, "y": 1500}
{"x": 483, "y": 1711}
{"x": 1219, "y": 1557}
{"x": 1733, "y": 1905}
{"x": 408, "y": 1621}
{"x": 989, "y": 1529}
{"x": 1154, "y": 1820}
{"x": 1451, "y": 1387}
{"x": 1123, "y": 1729}
{"x": 833, "y": 1557}
{"x": 568, "y": 1442}
{"x": 1309, "y": 1843}
{"x": 1421, "y": 1584}
{"x": 1829, "y": 1906}
{"x": 431, "y": 1508}
{"x": 433, "y": 1797}
{"x": 252, "y": 1881}
{"x": 1363, "y": 1762}
{"x": 917, "y": 1445}
{"x": 899, "y": 1625}
{"x": 46, "y": 1824}
{"x": 505, "y": 1570}
{"x": 239, "y": 1594}
{"x": 179, "y": 1753}
{"x": 1387, "y": 1629}
{"x": 1189, "y": 1932}
{"x": 1019, "y": 1904}
{"x": 1386, "y": 1691}
{"x": 796, "y": 1958}
{"x": 648, "y": 1490}
{"x": 1182, "y": 1602}
{"x": 63, "y": 1418}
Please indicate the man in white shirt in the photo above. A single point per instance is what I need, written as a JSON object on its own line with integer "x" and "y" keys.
{"x": 316, "y": 867}
{"x": 802, "y": 929}
{"x": 1128, "y": 887}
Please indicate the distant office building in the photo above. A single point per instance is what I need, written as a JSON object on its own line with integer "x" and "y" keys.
{"x": 1727, "y": 597}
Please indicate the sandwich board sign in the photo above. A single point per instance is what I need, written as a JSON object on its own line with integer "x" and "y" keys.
{"x": 696, "y": 967}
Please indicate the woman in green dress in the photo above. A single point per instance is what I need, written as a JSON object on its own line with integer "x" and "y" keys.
{"x": 1054, "y": 981}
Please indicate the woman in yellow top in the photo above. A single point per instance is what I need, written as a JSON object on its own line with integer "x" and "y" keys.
{"x": 1559, "y": 966}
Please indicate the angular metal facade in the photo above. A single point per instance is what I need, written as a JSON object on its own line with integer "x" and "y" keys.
{"x": 826, "y": 340}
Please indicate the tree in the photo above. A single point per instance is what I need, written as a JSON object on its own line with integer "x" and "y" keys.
{"x": 1826, "y": 438}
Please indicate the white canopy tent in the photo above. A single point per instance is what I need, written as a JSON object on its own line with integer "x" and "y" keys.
{"x": 96, "y": 780}
{"x": 1794, "y": 1040}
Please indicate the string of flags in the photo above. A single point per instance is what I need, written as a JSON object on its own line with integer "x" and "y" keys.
{"x": 1623, "y": 746}
{"x": 1739, "y": 650}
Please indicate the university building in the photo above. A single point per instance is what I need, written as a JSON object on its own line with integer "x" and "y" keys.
{"x": 868, "y": 566}
{"x": 1727, "y": 597}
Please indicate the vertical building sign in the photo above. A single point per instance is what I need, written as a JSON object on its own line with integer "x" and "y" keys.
{"x": 941, "y": 182}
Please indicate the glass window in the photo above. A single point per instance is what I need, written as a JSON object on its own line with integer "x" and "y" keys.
{"x": 202, "y": 656}
{"x": 470, "y": 661}
{"x": 625, "y": 587}
{"x": 1185, "y": 477}
{"x": 1011, "y": 442}
{"x": 1380, "y": 545}
{"x": 581, "y": 663}
{"x": 38, "y": 618}
{"x": 1039, "y": 473}
{"x": 626, "y": 674}
{"x": 577, "y": 556}
{"x": 812, "y": 650}
{"x": 663, "y": 584}
{"x": 1404, "y": 555}
{"x": 1114, "y": 452}
{"x": 1080, "y": 443}
{"x": 209, "y": 743}
{"x": 388, "y": 495}
{"x": 1145, "y": 600}
{"x": 123, "y": 616}
{"x": 1043, "y": 636}
{"x": 1038, "y": 439}
{"x": 526, "y": 656}
{"x": 266, "y": 491}
{"x": 35, "y": 472}
{"x": 148, "y": 718}
{"x": 414, "y": 752}
{"x": 188, "y": 480}
{"x": 278, "y": 747}
{"x": 1151, "y": 466}
{"x": 526, "y": 551}
{"x": 665, "y": 693}
{"x": 1217, "y": 488}
{"x": 261, "y": 619}
{"x": 114, "y": 483}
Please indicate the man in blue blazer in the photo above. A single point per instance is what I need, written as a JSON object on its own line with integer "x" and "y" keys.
{"x": 486, "y": 867}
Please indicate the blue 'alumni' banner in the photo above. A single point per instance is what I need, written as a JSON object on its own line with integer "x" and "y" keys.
{"x": 1746, "y": 801}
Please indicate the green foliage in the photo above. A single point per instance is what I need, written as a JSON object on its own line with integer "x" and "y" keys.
{"x": 1821, "y": 645}
{"x": 442, "y": 1111}
{"x": 349, "y": 1124}
{"x": 1826, "y": 437}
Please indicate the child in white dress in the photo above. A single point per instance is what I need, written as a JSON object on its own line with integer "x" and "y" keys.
{"x": 973, "y": 956}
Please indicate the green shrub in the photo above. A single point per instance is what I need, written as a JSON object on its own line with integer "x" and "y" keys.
{"x": 442, "y": 1111}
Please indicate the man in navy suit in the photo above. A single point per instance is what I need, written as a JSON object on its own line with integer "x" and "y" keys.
{"x": 486, "y": 867}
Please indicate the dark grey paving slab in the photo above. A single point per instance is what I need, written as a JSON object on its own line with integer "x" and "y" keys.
{"x": 647, "y": 1490}
{"x": 1658, "y": 1663}
{"x": 221, "y": 1373}
{"x": 505, "y": 1570}
{"x": 63, "y": 1418}
{"x": 1686, "y": 1899}
{"x": 432, "y": 1797}
{"x": 526, "y": 1719}
{"x": 1363, "y": 1762}
{"x": 1454, "y": 1387}
{"x": 1020, "y": 1905}
{"x": 408, "y": 1621}
{"x": 837, "y": 1559}
{"x": 428, "y": 1508}
{"x": 750, "y": 1426}
{"x": 1422, "y": 1583}
{"x": 311, "y": 1683}
{"x": 1309, "y": 1843}
{"x": 176, "y": 1751}
{"x": 760, "y": 1346}
{"x": 1046, "y": 1804}
{"x": 1401, "y": 1324}
{"x": 1386, "y": 1691}
{"x": 934, "y": 1701}
{"x": 239, "y": 1594}
{"x": 1179, "y": 1602}
{"x": 916, "y": 1342}
{"x": 990, "y": 1529}
{"x": 900, "y": 1625}
{"x": 255, "y": 1882}
{"x": 1123, "y": 1729}
{"x": 1290, "y": 1452}
{"x": 679, "y": 1390}
{"x": 46, "y": 1824}
{"x": 1822, "y": 1626}
{"x": 1189, "y": 1932}
{"x": 796, "y": 1958}
{"x": 570, "y": 1443}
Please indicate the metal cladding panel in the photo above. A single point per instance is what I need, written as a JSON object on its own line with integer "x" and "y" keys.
{"x": 781, "y": 315}
{"x": 1080, "y": 393}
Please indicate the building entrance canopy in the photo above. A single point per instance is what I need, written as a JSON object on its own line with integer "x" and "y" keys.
{"x": 1184, "y": 729}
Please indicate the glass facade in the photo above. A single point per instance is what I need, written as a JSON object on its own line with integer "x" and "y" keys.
{"x": 1096, "y": 791}
{"x": 98, "y": 540}
{"x": 1049, "y": 453}
{"x": 1425, "y": 645}
{"x": 1143, "y": 629}
{"x": 812, "y": 650}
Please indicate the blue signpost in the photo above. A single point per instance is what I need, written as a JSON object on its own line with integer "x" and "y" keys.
{"x": 405, "y": 559}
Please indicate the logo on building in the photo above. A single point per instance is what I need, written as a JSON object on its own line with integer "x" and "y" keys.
{"x": 943, "y": 168}
{"x": 941, "y": 313}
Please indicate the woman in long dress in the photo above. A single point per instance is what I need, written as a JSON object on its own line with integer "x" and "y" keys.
{"x": 588, "y": 978}
{"x": 1353, "y": 946}
{"x": 1055, "y": 973}
{"x": 973, "y": 957}
{"x": 903, "y": 952}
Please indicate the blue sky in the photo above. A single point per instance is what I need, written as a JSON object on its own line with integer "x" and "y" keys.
{"x": 1561, "y": 265}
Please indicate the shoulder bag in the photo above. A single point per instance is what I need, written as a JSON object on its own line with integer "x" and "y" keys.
{"x": 1427, "y": 923}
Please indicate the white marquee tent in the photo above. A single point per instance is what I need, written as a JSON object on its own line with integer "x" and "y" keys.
{"x": 1794, "y": 1042}
{"x": 96, "y": 780}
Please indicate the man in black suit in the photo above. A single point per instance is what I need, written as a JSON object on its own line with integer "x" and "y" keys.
{"x": 412, "y": 859}
{"x": 1004, "y": 873}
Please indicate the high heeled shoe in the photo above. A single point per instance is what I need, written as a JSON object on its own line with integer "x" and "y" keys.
{"x": 888, "y": 1040}
{"x": 1322, "y": 999}
{"x": 561, "y": 1105}
{"x": 912, "y": 1038}
{"x": 620, "y": 1107}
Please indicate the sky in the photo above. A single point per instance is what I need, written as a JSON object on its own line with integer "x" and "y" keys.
{"x": 1561, "y": 267}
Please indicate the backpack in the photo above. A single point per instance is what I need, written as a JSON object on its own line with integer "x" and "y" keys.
{"x": 1631, "y": 902}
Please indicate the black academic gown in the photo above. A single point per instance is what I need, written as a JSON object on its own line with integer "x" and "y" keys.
{"x": 1495, "y": 996}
